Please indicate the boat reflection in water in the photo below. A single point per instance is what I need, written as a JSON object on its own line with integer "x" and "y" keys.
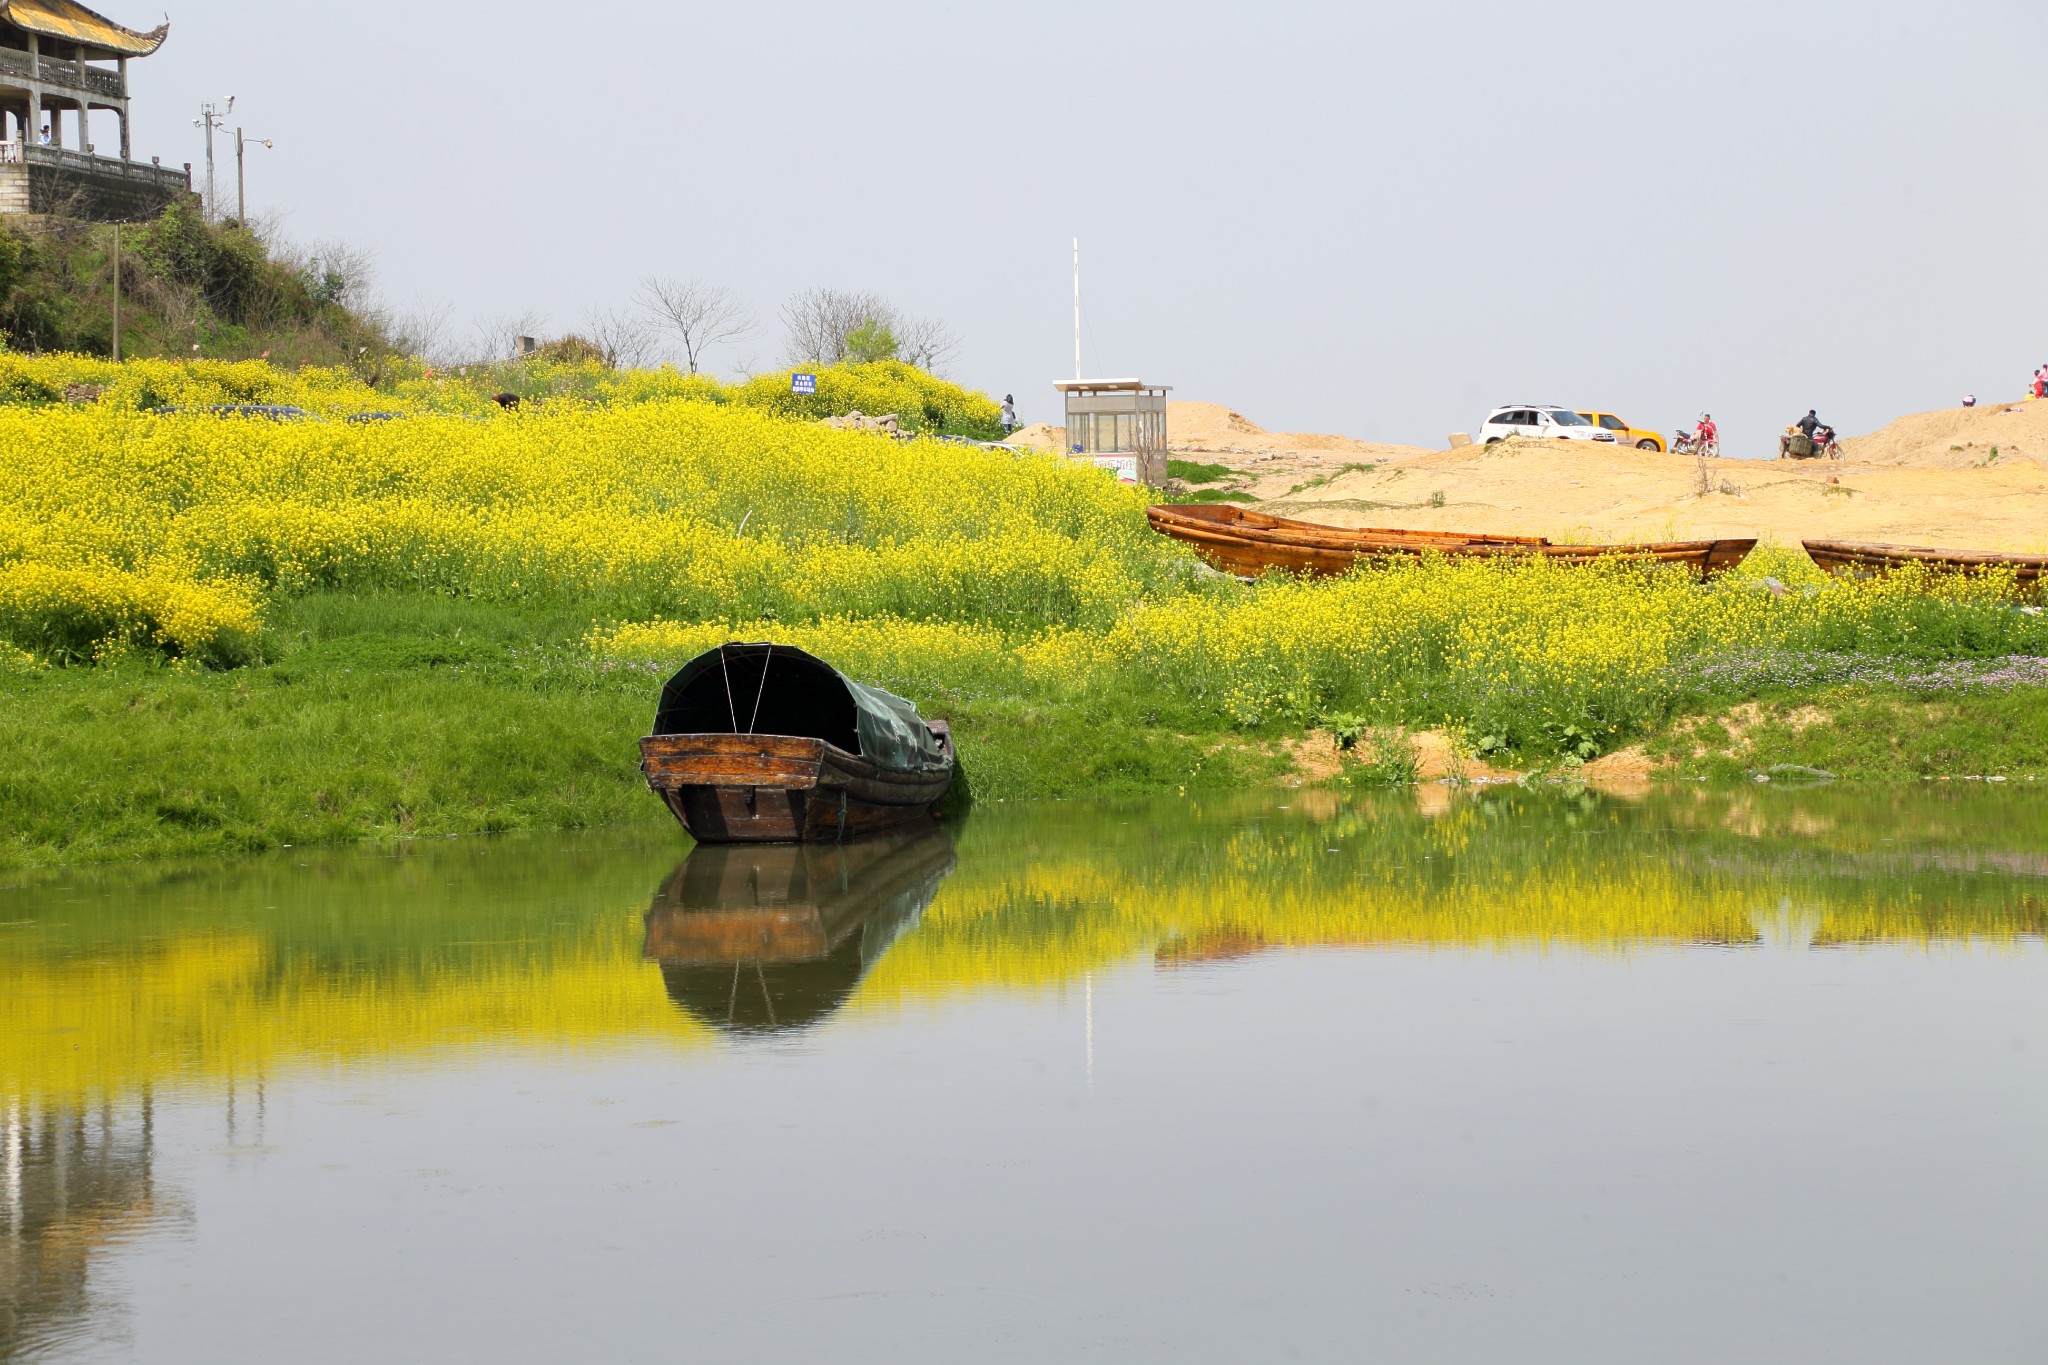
{"x": 756, "y": 938}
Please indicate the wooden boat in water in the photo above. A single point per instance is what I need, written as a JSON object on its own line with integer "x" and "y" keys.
{"x": 1863, "y": 559}
{"x": 762, "y": 937}
{"x": 759, "y": 743}
{"x": 1246, "y": 543}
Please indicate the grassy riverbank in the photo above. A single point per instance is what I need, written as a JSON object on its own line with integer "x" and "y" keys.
{"x": 408, "y": 715}
{"x": 1867, "y": 734}
{"x": 417, "y": 716}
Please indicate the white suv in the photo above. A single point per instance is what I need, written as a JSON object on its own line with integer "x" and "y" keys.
{"x": 1542, "y": 421}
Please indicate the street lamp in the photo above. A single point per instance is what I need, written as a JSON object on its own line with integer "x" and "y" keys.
{"x": 241, "y": 185}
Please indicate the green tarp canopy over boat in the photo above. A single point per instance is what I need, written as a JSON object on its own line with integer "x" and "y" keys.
{"x": 770, "y": 689}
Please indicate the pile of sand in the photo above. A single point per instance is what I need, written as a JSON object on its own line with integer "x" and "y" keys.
{"x": 1577, "y": 491}
{"x": 1038, "y": 436}
{"x": 1213, "y": 429}
{"x": 1957, "y": 438}
{"x": 1212, "y": 433}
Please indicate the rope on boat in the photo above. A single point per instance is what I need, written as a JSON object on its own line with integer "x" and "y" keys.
{"x": 729, "y": 708}
{"x": 765, "y": 660}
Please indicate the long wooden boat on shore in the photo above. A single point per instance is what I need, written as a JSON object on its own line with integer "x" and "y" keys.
{"x": 1246, "y": 543}
{"x": 763, "y": 743}
{"x": 1866, "y": 559}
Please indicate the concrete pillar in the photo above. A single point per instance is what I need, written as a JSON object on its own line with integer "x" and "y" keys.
{"x": 122, "y": 112}
{"x": 123, "y": 62}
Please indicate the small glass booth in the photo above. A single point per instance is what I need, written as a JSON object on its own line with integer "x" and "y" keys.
{"x": 1118, "y": 425}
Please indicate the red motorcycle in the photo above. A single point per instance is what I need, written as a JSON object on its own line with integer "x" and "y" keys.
{"x": 1689, "y": 443}
{"x": 1797, "y": 445}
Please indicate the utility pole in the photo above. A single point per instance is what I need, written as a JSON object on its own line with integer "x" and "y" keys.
{"x": 241, "y": 183}
{"x": 212, "y": 116}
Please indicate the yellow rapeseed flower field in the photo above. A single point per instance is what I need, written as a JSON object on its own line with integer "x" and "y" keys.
{"x": 674, "y": 513}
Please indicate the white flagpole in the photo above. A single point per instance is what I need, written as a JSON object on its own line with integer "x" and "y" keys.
{"x": 1077, "y": 308}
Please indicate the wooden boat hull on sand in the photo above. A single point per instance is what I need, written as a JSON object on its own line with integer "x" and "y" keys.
{"x": 1866, "y": 559}
{"x": 1248, "y": 544}
{"x": 784, "y": 788}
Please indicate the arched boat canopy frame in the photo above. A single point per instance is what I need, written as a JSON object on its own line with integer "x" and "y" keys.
{"x": 771, "y": 689}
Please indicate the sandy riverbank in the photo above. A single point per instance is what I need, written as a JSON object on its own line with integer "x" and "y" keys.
{"x": 1966, "y": 478}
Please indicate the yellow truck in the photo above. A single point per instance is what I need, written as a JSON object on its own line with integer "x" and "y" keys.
{"x": 1624, "y": 434}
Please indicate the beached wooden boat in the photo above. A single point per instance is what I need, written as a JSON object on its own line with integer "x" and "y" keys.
{"x": 1246, "y": 543}
{"x": 763, "y": 936}
{"x": 763, "y": 743}
{"x": 1864, "y": 559}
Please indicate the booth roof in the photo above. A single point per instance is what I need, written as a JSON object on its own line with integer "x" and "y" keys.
{"x": 1108, "y": 386}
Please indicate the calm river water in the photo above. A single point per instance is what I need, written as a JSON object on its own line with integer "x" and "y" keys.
{"x": 1497, "y": 1076}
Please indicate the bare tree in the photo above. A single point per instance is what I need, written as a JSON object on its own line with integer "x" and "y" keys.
{"x": 818, "y": 322}
{"x": 420, "y": 330}
{"x": 927, "y": 343}
{"x": 701, "y": 315}
{"x": 623, "y": 341}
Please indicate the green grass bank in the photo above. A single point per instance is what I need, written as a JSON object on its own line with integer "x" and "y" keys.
{"x": 416, "y": 716}
{"x": 419, "y": 716}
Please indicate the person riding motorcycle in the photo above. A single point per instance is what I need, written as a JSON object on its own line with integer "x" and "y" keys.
{"x": 1809, "y": 424}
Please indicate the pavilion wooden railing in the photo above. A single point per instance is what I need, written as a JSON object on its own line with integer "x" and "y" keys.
{"x": 56, "y": 71}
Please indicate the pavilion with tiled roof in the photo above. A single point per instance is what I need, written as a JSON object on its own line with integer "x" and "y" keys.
{"x": 59, "y": 64}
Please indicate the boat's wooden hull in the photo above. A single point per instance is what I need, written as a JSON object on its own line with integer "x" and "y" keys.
{"x": 1249, "y": 544}
{"x": 785, "y": 789}
{"x": 1865, "y": 559}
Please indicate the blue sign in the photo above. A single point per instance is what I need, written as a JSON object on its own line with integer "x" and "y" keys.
{"x": 803, "y": 383}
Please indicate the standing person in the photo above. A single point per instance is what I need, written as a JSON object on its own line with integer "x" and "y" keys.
{"x": 2041, "y": 382}
{"x": 1009, "y": 414}
{"x": 46, "y": 135}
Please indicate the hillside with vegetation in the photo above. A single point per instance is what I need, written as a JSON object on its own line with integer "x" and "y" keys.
{"x": 185, "y": 283}
{"x": 196, "y": 297}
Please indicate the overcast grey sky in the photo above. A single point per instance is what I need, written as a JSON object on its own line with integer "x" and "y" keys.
{"x": 1372, "y": 218}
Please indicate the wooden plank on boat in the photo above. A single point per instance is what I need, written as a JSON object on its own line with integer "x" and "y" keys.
{"x": 672, "y": 761}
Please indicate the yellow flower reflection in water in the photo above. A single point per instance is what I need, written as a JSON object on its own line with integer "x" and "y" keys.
{"x": 568, "y": 943}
